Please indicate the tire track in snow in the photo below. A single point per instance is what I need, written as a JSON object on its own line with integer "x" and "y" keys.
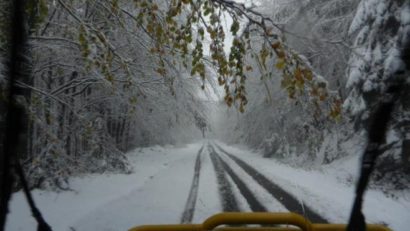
{"x": 289, "y": 201}
{"x": 228, "y": 200}
{"x": 189, "y": 210}
{"x": 253, "y": 203}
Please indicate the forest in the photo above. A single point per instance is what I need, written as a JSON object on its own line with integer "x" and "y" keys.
{"x": 296, "y": 80}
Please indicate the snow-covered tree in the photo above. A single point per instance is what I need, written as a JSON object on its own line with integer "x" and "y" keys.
{"x": 98, "y": 89}
{"x": 380, "y": 59}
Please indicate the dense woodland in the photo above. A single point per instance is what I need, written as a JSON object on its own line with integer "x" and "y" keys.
{"x": 298, "y": 79}
{"x": 356, "y": 47}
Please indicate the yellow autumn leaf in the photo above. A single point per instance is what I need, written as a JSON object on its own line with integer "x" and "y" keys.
{"x": 299, "y": 83}
{"x": 281, "y": 54}
{"x": 298, "y": 74}
{"x": 308, "y": 74}
{"x": 281, "y": 64}
{"x": 241, "y": 108}
{"x": 286, "y": 81}
{"x": 275, "y": 45}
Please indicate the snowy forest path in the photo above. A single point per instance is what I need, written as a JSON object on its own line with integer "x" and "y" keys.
{"x": 227, "y": 196}
{"x": 244, "y": 190}
{"x": 157, "y": 192}
{"x": 285, "y": 198}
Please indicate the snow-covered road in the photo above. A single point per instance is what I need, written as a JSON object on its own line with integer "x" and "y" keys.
{"x": 188, "y": 184}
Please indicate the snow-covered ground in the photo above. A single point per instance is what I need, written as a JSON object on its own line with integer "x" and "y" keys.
{"x": 207, "y": 201}
{"x": 157, "y": 191}
{"x": 329, "y": 190}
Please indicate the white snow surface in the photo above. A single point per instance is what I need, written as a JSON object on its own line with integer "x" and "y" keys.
{"x": 158, "y": 189}
{"x": 208, "y": 202}
{"x": 155, "y": 193}
{"x": 263, "y": 196}
{"x": 329, "y": 190}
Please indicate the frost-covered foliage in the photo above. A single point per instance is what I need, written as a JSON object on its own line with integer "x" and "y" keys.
{"x": 381, "y": 58}
{"x": 319, "y": 31}
{"x": 284, "y": 128}
{"x": 111, "y": 75}
{"x": 96, "y": 91}
{"x": 296, "y": 130}
{"x": 365, "y": 40}
{"x": 379, "y": 27}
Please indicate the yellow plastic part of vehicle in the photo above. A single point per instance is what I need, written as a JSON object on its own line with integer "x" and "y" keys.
{"x": 270, "y": 222}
